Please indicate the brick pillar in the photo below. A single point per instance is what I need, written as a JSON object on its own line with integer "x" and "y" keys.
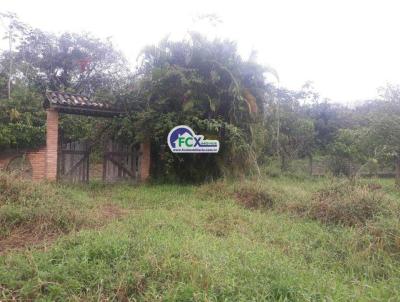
{"x": 51, "y": 144}
{"x": 144, "y": 161}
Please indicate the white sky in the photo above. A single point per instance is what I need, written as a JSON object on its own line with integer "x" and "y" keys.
{"x": 347, "y": 48}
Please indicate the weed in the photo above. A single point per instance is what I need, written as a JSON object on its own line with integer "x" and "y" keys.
{"x": 216, "y": 190}
{"x": 385, "y": 235}
{"x": 254, "y": 196}
{"x": 346, "y": 204}
{"x": 184, "y": 243}
{"x": 31, "y": 211}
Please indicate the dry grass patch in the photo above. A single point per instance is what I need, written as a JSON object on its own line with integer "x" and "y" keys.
{"x": 33, "y": 212}
{"x": 216, "y": 190}
{"x": 22, "y": 237}
{"x": 254, "y": 195}
{"x": 108, "y": 212}
{"x": 346, "y": 204}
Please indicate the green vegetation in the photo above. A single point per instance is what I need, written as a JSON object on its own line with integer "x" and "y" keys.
{"x": 207, "y": 243}
{"x": 209, "y": 86}
{"x": 29, "y": 211}
{"x": 258, "y": 232}
{"x": 202, "y": 83}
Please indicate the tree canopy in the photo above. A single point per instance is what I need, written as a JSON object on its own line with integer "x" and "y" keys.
{"x": 202, "y": 83}
{"x": 77, "y": 63}
{"x": 207, "y": 85}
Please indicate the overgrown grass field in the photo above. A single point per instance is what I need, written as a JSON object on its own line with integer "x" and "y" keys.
{"x": 275, "y": 239}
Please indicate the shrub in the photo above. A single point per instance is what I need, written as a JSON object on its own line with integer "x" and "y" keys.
{"x": 254, "y": 196}
{"x": 216, "y": 190}
{"x": 346, "y": 205}
{"x": 250, "y": 194}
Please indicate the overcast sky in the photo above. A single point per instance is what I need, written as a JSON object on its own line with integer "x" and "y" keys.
{"x": 346, "y": 48}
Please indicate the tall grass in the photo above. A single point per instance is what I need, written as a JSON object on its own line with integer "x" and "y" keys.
{"x": 187, "y": 243}
{"x": 36, "y": 208}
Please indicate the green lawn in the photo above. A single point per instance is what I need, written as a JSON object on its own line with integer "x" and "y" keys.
{"x": 198, "y": 243}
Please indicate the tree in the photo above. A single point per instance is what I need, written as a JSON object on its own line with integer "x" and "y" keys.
{"x": 296, "y": 129}
{"x": 77, "y": 63}
{"x": 387, "y": 133}
{"x": 208, "y": 86}
{"x": 381, "y": 116}
{"x": 22, "y": 120}
{"x": 328, "y": 120}
{"x": 349, "y": 151}
{"x": 14, "y": 29}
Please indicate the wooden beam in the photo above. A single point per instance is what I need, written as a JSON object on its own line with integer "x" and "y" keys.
{"x": 122, "y": 166}
{"x": 76, "y": 165}
{"x": 67, "y": 151}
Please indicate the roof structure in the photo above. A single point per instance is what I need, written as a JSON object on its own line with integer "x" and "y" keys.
{"x": 79, "y": 104}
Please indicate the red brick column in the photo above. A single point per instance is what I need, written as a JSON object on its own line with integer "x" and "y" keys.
{"x": 51, "y": 144}
{"x": 144, "y": 161}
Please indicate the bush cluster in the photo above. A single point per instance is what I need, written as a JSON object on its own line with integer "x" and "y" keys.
{"x": 346, "y": 205}
{"x": 254, "y": 196}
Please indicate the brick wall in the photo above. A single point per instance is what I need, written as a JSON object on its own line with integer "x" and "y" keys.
{"x": 38, "y": 163}
{"x": 42, "y": 160}
{"x": 145, "y": 160}
{"x": 36, "y": 158}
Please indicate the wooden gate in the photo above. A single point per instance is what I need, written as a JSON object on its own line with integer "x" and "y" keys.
{"x": 120, "y": 162}
{"x": 73, "y": 162}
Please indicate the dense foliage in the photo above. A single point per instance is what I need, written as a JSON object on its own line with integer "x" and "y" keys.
{"x": 204, "y": 84}
{"x": 209, "y": 87}
{"x": 22, "y": 120}
{"x": 37, "y": 61}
